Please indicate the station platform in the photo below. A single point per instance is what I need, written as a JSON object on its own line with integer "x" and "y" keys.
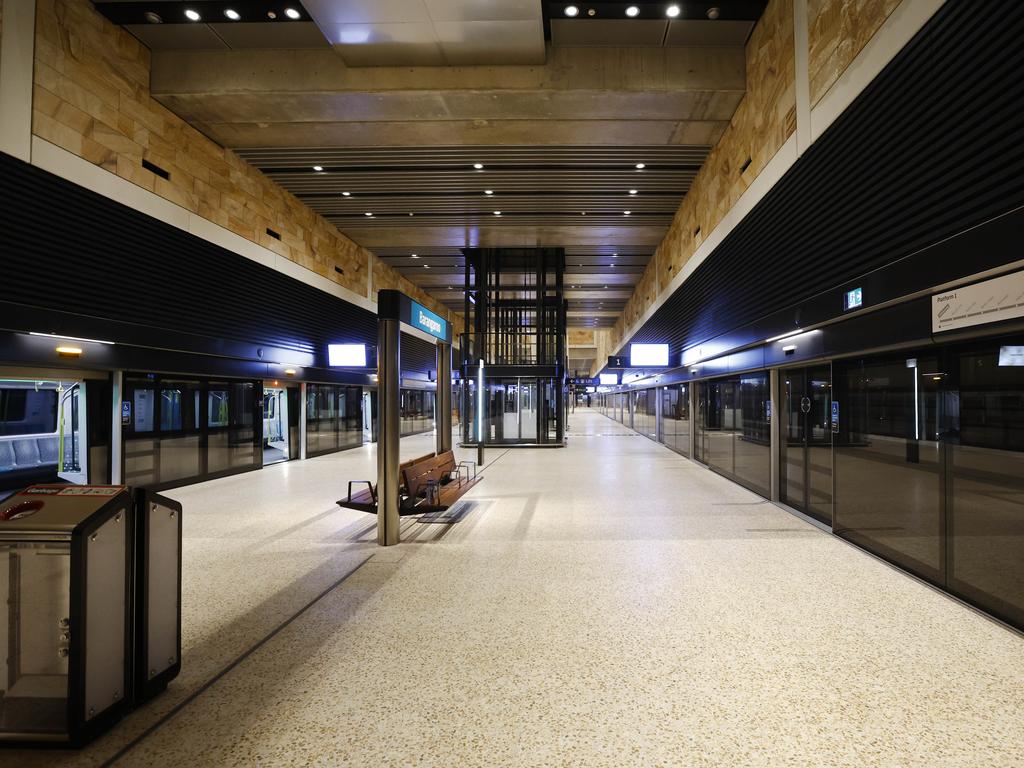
{"x": 608, "y": 604}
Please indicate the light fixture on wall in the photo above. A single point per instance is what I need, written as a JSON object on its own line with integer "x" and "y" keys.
{"x": 66, "y": 350}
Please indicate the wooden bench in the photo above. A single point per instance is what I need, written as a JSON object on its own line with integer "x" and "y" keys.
{"x": 427, "y": 483}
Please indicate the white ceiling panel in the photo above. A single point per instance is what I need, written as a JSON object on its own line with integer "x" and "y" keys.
{"x": 177, "y": 37}
{"x": 328, "y": 12}
{"x": 300, "y": 34}
{"x": 491, "y": 42}
{"x": 367, "y": 45}
{"x": 608, "y": 31}
{"x": 485, "y": 10}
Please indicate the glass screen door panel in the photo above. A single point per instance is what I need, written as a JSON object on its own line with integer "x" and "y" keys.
{"x": 528, "y": 409}
{"x": 806, "y": 465}
{"x": 984, "y": 428}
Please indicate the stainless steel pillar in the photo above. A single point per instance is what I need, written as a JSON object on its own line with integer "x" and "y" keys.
{"x": 443, "y": 401}
{"x": 388, "y": 365}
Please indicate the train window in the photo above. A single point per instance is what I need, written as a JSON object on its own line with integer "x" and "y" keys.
{"x": 28, "y": 411}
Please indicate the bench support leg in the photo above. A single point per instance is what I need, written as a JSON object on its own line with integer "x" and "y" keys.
{"x": 388, "y": 405}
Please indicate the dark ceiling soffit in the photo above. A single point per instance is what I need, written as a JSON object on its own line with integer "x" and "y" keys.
{"x": 211, "y": 11}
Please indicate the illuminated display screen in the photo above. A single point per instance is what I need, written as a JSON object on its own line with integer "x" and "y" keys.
{"x": 609, "y": 378}
{"x": 346, "y": 355}
{"x": 641, "y": 355}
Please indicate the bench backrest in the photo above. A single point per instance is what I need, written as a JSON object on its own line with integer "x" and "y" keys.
{"x": 416, "y": 475}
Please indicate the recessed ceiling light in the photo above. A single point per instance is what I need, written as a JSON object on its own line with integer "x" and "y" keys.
{"x": 346, "y": 194}
{"x": 414, "y": 256}
{"x": 713, "y": 13}
{"x": 640, "y": 166}
{"x": 627, "y": 212}
{"x": 291, "y": 13}
{"x": 318, "y": 168}
{"x": 478, "y": 166}
{"x": 271, "y": 15}
{"x": 488, "y": 191}
{"x": 571, "y": 11}
{"x": 192, "y": 15}
{"x": 411, "y": 213}
{"x": 632, "y": 11}
{"x": 153, "y": 18}
{"x": 232, "y": 14}
{"x": 368, "y": 213}
{"x": 633, "y": 191}
{"x": 615, "y": 255}
{"x": 583, "y": 213}
{"x": 672, "y": 11}
{"x": 426, "y": 266}
{"x": 497, "y": 213}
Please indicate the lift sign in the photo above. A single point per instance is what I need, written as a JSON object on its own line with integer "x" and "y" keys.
{"x": 835, "y": 415}
{"x": 426, "y": 320}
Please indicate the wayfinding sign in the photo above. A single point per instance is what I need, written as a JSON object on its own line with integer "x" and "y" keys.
{"x": 1001, "y": 298}
{"x": 395, "y": 305}
{"x": 427, "y": 321}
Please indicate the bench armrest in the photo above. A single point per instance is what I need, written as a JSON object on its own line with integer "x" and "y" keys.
{"x": 373, "y": 493}
{"x": 467, "y": 464}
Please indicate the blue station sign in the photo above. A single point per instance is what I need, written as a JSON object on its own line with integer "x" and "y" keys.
{"x": 427, "y": 321}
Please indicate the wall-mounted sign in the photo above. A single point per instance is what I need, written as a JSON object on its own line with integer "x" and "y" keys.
{"x": 643, "y": 355}
{"x": 835, "y": 415}
{"x": 346, "y": 355}
{"x": 427, "y": 321}
{"x": 768, "y": 409}
{"x": 853, "y": 299}
{"x": 1001, "y": 298}
{"x": 609, "y": 379}
{"x": 617, "y": 361}
{"x": 126, "y": 412}
{"x": 1011, "y": 356}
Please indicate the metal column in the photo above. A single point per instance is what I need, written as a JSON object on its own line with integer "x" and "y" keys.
{"x": 443, "y": 401}
{"x": 116, "y": 429}
{"x": 775, "y": 431}
{"x": 388, "y": 364}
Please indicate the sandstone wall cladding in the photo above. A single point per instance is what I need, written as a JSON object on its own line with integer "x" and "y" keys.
{"x": 764, "y": 120}
{"x": 91, "y": 97}
{"x": 837, "y": 31}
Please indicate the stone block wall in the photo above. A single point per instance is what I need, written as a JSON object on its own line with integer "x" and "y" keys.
{"x": 91, "y": 98}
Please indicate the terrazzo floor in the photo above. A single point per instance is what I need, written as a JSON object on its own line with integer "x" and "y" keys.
{"x": 609, "y": 604}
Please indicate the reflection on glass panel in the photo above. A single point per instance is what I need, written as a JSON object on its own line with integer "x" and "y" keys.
{"x": 887, "y": 460}
{"x": 170, "y": 410}
{"x": 143, "y": 407}
{"x": 732, "y": 429}
{"x": 751, "y": 440}
{"x": 986, "y": 430}
{"x": 217, "y": 413}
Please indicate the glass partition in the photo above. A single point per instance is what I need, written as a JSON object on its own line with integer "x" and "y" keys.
{"x": 334, "y": 420}
{"x": 733, "y": 436}
{"x": 887, "y": 458}
{"x": 183, "y": 430}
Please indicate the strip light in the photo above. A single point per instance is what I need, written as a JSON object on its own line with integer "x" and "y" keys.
{"x": 69, "y": 338}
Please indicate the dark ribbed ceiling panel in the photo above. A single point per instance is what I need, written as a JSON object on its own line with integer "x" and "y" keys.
{"x": 931, "y": 148}
{"x": 433, "y": 201}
